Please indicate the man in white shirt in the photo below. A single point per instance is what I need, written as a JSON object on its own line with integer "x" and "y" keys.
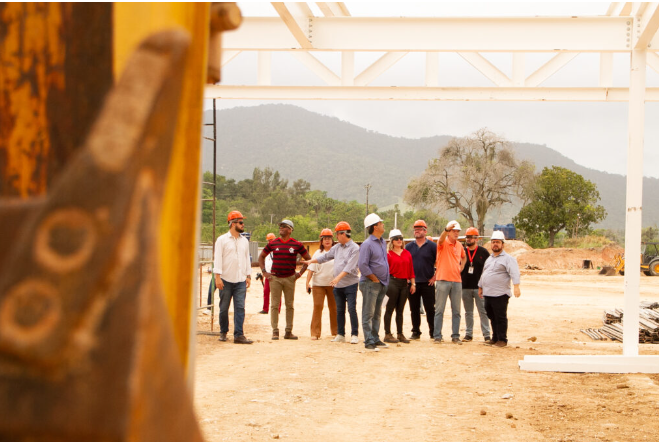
{"x": 232, "y": 270}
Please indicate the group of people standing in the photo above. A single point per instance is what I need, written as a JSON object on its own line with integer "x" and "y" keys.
{"x": 422, "y": 271}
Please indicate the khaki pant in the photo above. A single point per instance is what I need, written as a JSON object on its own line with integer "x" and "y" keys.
{"x": 277, "y": 285}
{"x": 319, "y": 294}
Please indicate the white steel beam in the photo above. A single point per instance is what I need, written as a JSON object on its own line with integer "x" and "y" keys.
{"x": 606, "y": 69}
{"x": 347, "y": 68}
{"x": 296, "y": 16}
{"x": 432, "y": 69}
{"x": 421, "y": 93}
{"x": 264, "y": 71}
{"x": 408, "y": 34}
{"x": 635, "y": 128}
{"x": 227, "y": 56}
{"x": 647, "y": 27}
{"x": 552, "y": 66}
{"x": 333, "y": 9}
{"x": 518, "y": 69}
{"x": 318, "y": 68}
{"x": 591, "y": 364}
{"x": 653, "y": 61}
{"x": 378, "y": 67}
{"x": 614, "y": 9}
{"x": 486, "y": 68}
{"x": 626, "y": 9}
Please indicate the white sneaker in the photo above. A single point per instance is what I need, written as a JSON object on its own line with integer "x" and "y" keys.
{"x": 339, "y": 338}
{"x": 354, "y": 339}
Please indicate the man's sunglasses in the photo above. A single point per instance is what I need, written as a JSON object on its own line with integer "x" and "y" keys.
{"x": 471, "y": 237}
{"x": 239, "y": 222}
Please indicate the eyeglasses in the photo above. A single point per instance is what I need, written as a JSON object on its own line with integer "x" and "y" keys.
{"x": 397, "y": 238}
{"x": 471, "y": 237}
{"x": 239, "y": 222}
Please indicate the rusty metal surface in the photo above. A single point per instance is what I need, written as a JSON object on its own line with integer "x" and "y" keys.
{"x": 86, "y": 347}
{"x": 50, "y": 90}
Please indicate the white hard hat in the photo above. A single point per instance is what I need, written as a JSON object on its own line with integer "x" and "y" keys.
{"x": 395, "y": 232}
{"x": 456, "y": 225}
{"x": 497, "y": 234}
{"x": 371, "y": 219}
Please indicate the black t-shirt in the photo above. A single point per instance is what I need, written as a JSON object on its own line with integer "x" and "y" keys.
{"x": 470, "y": 280}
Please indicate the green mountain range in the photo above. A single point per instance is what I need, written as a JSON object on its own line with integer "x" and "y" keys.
{"x": 341, "y": 158}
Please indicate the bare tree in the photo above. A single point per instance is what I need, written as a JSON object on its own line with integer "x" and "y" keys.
{"x": 472, "y": 175}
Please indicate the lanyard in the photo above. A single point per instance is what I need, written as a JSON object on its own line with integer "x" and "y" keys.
{"x": 471, "y": 257}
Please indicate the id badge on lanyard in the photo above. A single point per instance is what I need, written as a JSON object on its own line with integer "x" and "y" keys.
{"x": 471, "y": 260}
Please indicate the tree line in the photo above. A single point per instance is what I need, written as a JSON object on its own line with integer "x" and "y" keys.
{"x": 266, "y": 198}
{"x": 472, "y": 176}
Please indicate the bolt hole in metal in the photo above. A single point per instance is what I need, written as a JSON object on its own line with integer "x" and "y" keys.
{"x": 65, "y": 240}
{"x": 29, "y": 312}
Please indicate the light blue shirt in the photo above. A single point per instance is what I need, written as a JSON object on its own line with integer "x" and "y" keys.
{"x": 346, "y": 257}
{"x": 373, "y": 259}
{"x": 498, "y": 271}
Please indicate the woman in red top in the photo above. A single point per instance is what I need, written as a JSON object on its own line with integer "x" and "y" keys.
{"x": 401, "y": 284}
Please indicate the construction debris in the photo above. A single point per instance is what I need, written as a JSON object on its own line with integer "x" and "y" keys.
{"x": 594, "y": 334}
{"x": 648, "y": 331}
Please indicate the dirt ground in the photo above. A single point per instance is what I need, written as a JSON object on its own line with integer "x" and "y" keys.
{"x": 304, "y": 390}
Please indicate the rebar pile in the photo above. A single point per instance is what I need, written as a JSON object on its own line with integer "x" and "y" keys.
{"x": 648, "y": 331}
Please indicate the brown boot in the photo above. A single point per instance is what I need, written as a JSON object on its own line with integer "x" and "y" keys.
{"x": 403, "y": 339}
{"x": 275, "y": 335}
{"x": 390, "y": 339}
{"x": 289, "y": 335}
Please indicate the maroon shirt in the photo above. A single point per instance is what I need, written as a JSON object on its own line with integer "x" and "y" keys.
{"x": 284, "y": 256}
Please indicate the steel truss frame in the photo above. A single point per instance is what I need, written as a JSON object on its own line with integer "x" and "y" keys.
{"x": 626, "y": 28}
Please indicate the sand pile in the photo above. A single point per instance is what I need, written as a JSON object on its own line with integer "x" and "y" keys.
{"x": 559, "y": 258}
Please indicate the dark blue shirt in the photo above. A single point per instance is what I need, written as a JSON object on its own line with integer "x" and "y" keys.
{"x": 373, "y": 259}
{"x": 423, "y": 260}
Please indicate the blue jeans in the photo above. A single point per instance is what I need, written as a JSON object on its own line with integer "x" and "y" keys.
{"x": 237, "y": 291}
{"x": 469, "y": 297}
{"x": 341, "y": 296}
{"x": 444, "y": 290}
{"x": 373, "y": 294}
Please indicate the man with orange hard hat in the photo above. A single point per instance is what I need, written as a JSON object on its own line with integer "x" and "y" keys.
{"x": 233, "y": 271}
{"x": 471, "y": 274}
{"x": 424, "y": 253}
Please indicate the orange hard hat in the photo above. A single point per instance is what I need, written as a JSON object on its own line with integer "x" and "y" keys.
{"x": 341, "y": 226}
{"x": 420, "y": 223}
{"x": 270, "y": 236}
{"x": 472, "y": 231}
{"x": 326, "y": 232}
{"x": 234, "y": 214}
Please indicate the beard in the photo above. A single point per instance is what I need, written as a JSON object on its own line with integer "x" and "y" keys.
{"x": 239, "y": 229}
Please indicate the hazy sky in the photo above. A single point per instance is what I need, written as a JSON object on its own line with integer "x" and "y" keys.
{"x": 592, "y": 134}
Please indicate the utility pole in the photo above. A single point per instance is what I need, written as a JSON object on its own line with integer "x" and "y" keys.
{"x": 367, "y": 187}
